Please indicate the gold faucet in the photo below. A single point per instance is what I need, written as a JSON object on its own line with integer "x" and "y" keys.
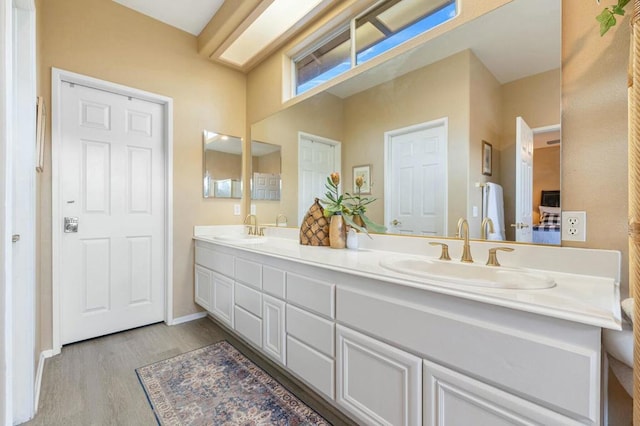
{"x": 463, "y": 232}
{"x": 253, "y": 226}
{"x": 280, "y": 215}
{"x": 493, "y": 257}
{"x": 483, "y": 228}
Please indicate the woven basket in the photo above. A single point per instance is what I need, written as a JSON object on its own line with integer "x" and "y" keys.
{"x": 314, "y": 230}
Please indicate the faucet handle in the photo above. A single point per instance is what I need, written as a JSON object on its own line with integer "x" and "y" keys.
{"x": 493, "y": 257}
{"x": 444, "y": 255}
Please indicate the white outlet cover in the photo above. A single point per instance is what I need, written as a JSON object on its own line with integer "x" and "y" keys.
{"x": 574, "y": 226}
{"x": 236, "y": 209}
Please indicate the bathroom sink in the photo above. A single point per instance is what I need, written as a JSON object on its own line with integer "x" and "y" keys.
{"x": 470, "y": 274}
{"x": 240, "y": 238}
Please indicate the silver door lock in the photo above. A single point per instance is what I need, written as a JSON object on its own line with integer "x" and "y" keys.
{"x": 70, "y": 224}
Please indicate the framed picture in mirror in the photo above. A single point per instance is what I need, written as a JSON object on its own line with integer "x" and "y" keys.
{"x": 363, "y": 172}
{"x": 487, "y": 152}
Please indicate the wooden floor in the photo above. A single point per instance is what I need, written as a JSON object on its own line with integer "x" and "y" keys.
{"x": 94, "y": 382}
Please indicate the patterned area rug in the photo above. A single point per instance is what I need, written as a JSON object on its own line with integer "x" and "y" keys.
{"x": 217, "y": 385}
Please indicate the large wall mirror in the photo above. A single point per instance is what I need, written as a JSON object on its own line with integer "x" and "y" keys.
{"x": 466, "y": 125}
{"x": 222, "y": 165}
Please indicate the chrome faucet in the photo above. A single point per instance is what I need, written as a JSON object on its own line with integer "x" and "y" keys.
{"x": 252, "y": 221}
{"x": 483, "y": 228}
{"x": 463, "y": 232}
{"x": 280, "y": 215}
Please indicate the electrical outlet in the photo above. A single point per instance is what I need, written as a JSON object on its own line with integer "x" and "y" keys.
{"x": 253, "y": 209}
{"x": 236, "y": 209}
{"x": 574, "y": 226}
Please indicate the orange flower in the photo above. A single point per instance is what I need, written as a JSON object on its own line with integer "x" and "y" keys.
{"x": 359, "y": 181}
{"x": 335, "y": 178}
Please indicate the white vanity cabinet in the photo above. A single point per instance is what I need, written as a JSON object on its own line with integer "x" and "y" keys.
{"x": 376, "y": 382}
{"x": 390, "y": 354}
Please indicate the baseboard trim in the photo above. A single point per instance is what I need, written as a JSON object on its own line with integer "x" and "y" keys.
{"x": 187, "y": 318}
{"x": 43, "y": 356}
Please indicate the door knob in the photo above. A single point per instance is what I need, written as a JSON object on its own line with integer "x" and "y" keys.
{"x": 15, "y": 238}
{"x": 396, "y": 222}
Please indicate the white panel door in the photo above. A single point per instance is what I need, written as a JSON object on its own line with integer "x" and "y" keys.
{"x": 317, "y": 160}
{"x": 222, "y": 299}
{"x": 112, "y": 182}
{"x": 417, "y": 182}
{"x": 524, "y": 181}
{"x": 379, "y": 384}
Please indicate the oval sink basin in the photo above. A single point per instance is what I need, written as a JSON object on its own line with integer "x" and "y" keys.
{"x": 240, "y": 238}
{"x": 470, "y": 274}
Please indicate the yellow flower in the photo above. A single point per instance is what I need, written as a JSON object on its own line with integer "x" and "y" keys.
{"x": 335, "y": 178}
{"x": 359, "y": 181}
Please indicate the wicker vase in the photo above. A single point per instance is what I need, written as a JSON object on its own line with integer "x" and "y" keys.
{"x": 337, "y": 232}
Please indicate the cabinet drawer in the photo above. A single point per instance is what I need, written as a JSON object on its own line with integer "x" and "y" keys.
{"x": 311, "y": 366}
{"x": 249, "y": 299}
{"x": 249, "y": 273}
{"x": 249, "y": 326}
{"x": 273, "y": 282}
{"x": 314, "y": 295}
{"x": 311, "y": 329}
{"x": 215, "y": 260}
{"x": 463, "y": 400}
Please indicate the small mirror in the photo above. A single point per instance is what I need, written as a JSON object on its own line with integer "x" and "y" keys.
{"x": 266, "y": 168}
{"x": 222, "y": 166}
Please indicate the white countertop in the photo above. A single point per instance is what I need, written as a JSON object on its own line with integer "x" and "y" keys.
{"x": 591, "y": 298}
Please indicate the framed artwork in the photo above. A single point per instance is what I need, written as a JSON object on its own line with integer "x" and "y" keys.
{"x": 487, "y": 158}
{"x": 365, "y": 173}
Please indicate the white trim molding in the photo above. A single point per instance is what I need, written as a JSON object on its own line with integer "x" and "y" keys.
{"x": 43, "y": 356}
{"x": 57, "y": 77}
{"x": 6, "y": 112}
{"x": 188, "y": 318}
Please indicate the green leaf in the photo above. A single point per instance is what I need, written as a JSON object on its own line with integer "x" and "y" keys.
{"x": 372, "y": 226}
{"x": 607, "y": 20}
{"x": 350, "y": 222}
{"x": 617, "y": 10}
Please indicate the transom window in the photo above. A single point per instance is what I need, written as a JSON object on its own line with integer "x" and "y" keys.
{"x": 385, "y": 26}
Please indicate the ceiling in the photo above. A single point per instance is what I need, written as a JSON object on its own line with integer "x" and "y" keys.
{"x": 188, "y": 15}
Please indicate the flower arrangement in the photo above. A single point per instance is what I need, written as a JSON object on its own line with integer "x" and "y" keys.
{"x": 348, "y": 205}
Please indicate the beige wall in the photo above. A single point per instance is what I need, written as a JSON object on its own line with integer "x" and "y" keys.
{"x": 537, "y": 100}
{"x": 485, "y": 124}
{"x": 222, "y": 165}
{"x": 594, "y": 126}
{"x": 102, "y": 39}
{"x": 546, "y": 175}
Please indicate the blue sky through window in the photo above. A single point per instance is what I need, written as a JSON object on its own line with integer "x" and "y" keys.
{"x": 446, "y": 13}
{"x": 408, "y": 33}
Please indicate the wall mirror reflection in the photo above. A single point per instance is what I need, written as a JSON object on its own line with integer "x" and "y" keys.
{"x": 222, "y": 165}
{"x": 420, "y": 120}
{"x": 266, "y": 168}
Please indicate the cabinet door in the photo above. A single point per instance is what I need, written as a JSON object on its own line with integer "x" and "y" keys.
{"x": 379, "y": 384}
{"x": 273, "y": 328}
{"x": 453, "y": 399}
{"x": 202, "y": 284}
{"x": 222, "y": 298}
